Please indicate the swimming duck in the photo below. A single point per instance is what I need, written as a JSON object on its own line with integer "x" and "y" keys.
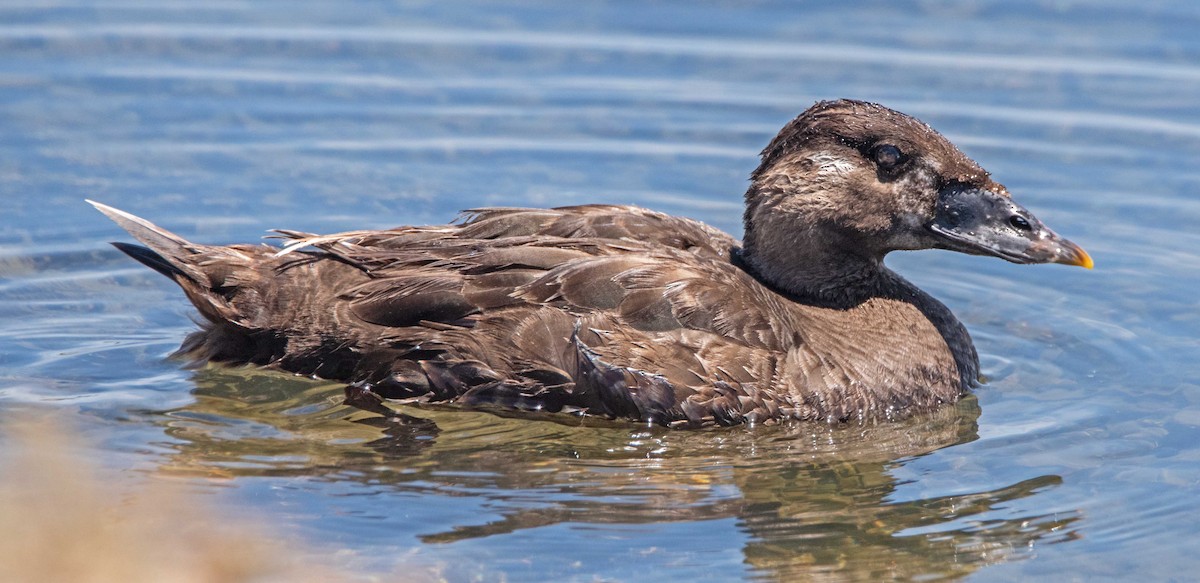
{"x": 623, "y": 312}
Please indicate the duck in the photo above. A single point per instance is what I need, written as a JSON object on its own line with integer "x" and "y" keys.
{"x": 624, "y": 313}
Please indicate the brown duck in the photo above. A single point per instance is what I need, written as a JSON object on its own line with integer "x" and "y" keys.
{"x": 622, "y": 312}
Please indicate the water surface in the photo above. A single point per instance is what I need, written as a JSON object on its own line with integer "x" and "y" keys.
{"x": 1079, "y": 458}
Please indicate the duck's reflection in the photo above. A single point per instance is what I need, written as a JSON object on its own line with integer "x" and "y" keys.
{"x": 813, "y": 500}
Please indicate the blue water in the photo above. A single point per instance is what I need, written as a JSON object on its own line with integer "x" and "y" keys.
{"x": 1080, "y": 459}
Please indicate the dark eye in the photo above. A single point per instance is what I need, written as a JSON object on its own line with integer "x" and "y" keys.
{"x": 887, "y": 156}
{"x": 1020, "y": 223}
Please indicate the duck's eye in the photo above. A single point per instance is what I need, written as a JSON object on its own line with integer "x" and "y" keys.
{"x": 887, "y": 156}
{"x": 1020, "y": 223}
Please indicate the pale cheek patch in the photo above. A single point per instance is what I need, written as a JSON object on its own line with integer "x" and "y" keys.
{"x": 832, "y": 164}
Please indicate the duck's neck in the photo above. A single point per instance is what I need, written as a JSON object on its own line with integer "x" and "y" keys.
{"x": 813, "y": 264}
{"x": 818, "y": 268}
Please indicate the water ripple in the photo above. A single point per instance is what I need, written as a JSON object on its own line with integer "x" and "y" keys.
{"x": 679, "y": 46}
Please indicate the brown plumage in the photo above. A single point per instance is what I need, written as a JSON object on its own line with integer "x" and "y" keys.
{"x": 622, "y": 312}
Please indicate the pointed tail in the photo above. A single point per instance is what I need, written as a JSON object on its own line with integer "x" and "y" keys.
{"x": 186, "y": 263}
{"x": 164, "y": 251}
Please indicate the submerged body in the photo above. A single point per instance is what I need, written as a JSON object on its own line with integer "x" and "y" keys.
{"x": 622, "y": 312}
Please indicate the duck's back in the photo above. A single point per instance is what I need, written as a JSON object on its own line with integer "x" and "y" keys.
{"x": 610, "y": 310}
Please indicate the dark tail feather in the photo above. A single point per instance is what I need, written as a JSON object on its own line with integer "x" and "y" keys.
{"x": 150, "y": 259}
{"x": 178, "y": 259}
{"x": 164, "y": 251}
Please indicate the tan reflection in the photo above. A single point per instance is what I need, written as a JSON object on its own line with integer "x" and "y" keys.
{"x": 65, "y": 520}
{"x": 812, "y": 501}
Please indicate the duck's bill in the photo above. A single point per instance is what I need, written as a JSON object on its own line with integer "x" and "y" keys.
{"x": 982, "y": 222}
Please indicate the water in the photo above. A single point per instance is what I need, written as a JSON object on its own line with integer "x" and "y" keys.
{"x": 1079, "y": 458}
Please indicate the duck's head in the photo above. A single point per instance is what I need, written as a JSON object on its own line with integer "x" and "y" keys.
{"x": 851, "y": 181}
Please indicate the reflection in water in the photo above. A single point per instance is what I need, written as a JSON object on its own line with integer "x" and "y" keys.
{"x": 810, "y": 500}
